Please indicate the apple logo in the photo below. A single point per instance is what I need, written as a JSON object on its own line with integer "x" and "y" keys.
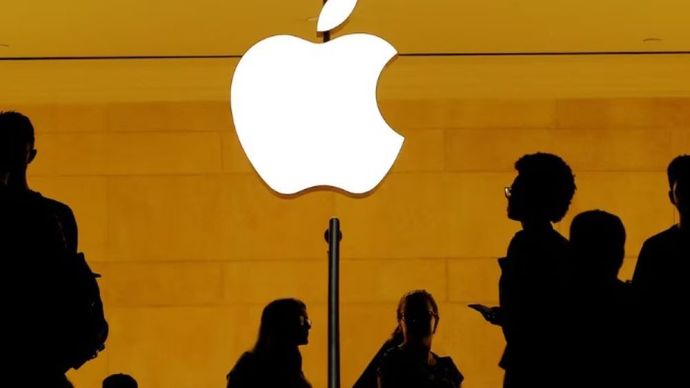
{"x": 306, "y": 113}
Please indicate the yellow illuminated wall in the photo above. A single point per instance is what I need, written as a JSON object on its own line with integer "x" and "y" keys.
{"x": 192, "y": 245}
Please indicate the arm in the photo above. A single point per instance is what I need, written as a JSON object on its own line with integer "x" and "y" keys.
{"x": 490, "y": 314}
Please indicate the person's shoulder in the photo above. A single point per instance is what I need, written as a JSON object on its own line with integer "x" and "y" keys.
{"x": 391, "y": 357}
{"x": 661, "y": 239}
{"x": 529, "y": 243}
{"x": 540, "y": 235}
{"x": 519, "y": 237}
{"x": 30, "y": 208}
{"x": 242, "y": 370}
{"x": 669, "y": 233}
{"x": 53, "y": 204}
{"x": 247, "y": 358}
{"x": 447, "y": 365}
{"x": 518, "y": 243}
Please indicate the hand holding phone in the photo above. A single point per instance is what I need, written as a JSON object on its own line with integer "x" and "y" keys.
{"x": 491, "y": 314}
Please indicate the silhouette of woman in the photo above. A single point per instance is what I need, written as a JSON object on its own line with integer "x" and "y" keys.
{"x": 275, "y": 360}
{"x": 412, "y": 364}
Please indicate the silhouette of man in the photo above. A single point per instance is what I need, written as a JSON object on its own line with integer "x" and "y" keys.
{"x": 42, "y": 280}
{"x": 532, "y": 284}
{"x": 23, "y": 153}
{"x": 660, "y": 281}
{"x": 599, "y": 305}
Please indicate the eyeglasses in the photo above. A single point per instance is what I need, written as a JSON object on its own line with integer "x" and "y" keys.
{"x": 304, "y": 321}
{"x": 507, "y": 191}
{"x": 418, "y": 316}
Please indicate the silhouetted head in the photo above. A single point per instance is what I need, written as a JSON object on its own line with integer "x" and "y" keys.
{"x": 284, "y": 324}
{"x": 597, "y": 241}
{"x": 16, "y": 142}
{"x": 679, "y": 184}
{"x": 543, "y": 189}
{"x": 417, "y": 315}
{"x": 120, "y": 380}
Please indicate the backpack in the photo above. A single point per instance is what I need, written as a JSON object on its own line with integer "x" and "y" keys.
{"x": 54, "y": 317}
{"x": 81, "y": 326}
{"x": 84, "y": 326}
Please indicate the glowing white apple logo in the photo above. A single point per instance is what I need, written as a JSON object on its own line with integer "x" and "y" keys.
{"x": 306, "y": 114}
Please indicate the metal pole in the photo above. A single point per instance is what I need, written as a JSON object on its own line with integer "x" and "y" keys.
{"x": 333, "y": 237}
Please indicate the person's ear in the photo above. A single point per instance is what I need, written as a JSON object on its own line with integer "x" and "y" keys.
{"x": 670, "y": 197}
{"x": 32, "y": 155}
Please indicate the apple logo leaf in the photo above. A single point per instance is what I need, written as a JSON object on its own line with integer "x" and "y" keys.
{"x": 334, "y": 13}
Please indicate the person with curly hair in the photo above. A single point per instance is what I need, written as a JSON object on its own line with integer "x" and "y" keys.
{"x": 533, "y": 279}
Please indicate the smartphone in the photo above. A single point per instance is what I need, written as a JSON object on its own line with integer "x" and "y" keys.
{"x": 489, "y": 313}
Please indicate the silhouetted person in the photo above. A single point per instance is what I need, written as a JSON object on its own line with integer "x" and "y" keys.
{"x": 412, "y": 364}
{"x": 45, "y": 283}
{"x": 23, "y": 153}
{"x": 532, "y": 282}
{"x": 661, "y": 282}
{"x": 599, "y": 305}
{"x": 120, "y": 380}
{"x": 368, "y": 378}
{"x": 275, "y": 360}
